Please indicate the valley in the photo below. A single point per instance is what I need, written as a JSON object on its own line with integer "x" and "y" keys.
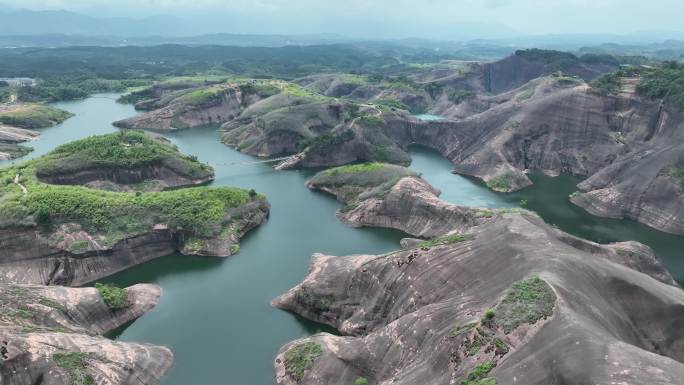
{"x": 446, "y": 190}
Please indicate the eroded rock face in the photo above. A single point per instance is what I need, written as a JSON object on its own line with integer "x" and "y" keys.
{"x": 184, "y": 110}
{"x": 52, "y": 335}
{"x": 419, "y": 316}
{"x": 11, "y": 139}
{"x": 643, "y": 186}
{"x": 147, "y": 178}
{"x": 31, "y": 256}
{"x": 411, "y": 205}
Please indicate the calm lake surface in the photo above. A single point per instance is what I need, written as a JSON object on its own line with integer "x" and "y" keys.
{"x": 215, "y": 313}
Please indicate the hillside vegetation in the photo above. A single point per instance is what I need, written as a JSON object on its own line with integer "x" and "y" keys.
{"x": 113, "y": 216}
{"x": 32, "y": 116}
{"x": 125, "y": 149}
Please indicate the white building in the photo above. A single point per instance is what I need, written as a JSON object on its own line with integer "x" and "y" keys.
{"x": 19, "y": 82}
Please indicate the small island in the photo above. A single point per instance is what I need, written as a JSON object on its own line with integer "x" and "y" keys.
{"x": 58, "y": 218}
{"x": 18, "y": 122}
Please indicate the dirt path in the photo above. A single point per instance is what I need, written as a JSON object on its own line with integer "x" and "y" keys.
{"x": 21, "y": 186}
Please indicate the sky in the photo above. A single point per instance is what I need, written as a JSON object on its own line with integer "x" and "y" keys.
{"x": 393, "y": 18}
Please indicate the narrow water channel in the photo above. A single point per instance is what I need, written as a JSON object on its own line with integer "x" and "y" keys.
{"x": 215, "y": 314}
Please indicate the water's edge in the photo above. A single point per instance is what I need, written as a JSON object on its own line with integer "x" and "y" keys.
{"x": 215, "y": 314}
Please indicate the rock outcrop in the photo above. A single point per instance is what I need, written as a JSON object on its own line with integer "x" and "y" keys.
{"x": 17, "y": 124}
{"x": 53, "y": 335}
{"x": 11, "y": 139}
{"x": 389, "y": 196}
{"x": 509, "y": 300}
{"x": 192, "y": 107}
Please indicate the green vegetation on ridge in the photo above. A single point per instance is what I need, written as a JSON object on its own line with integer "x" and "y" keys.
{"x": 112, "y": 215}
{"x": 664, "y": 81}
{"x": 124, "y": 149}
{"x": 361, "y": 181}
{"x": 528, "y": 302}
{"x": 31, "y": 116}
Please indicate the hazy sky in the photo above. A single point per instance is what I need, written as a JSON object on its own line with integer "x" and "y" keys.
{"x": 393, "y": 18}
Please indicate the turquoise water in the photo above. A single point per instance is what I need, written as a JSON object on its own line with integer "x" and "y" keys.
{"x": 429, "y": 117}
{"x": 215, "y": 313}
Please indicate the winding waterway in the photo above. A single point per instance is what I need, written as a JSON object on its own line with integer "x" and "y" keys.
{"x": 215, "y": 313}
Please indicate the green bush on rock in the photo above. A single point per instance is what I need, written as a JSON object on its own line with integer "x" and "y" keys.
{"x": 300, "y": 358}
{"x": 501, "y": 183}
{"x": 528, "y": 302}
{"x": 114, "y": 297}
{"x": 75, "y": 364}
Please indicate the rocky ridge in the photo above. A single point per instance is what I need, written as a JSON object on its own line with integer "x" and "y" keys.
{"x": 504, "y": 300}
{"x": 53, "y": 335}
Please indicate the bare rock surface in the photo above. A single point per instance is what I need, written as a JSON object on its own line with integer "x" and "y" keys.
{"x": 52, "y": 335}
{"x": 562, "y": 309}
{"x": 189, "y": 108}
{"x": 11, "y": 139}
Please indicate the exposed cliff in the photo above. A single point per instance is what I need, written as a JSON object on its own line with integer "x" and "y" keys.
{"x": 509, "y": 300}
{"x": 52, "y": 335}
{"x": 198, "y": 106}
{"x": 71, "y": 234}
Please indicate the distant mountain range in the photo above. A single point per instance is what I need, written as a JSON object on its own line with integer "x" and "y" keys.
{"x": 58, "y": 28}
{"x": 25, "y": 22}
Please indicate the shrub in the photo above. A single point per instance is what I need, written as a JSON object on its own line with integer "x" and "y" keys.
{"x": 445, "y": 240}
{"x": 391, "y": 103}
{"x": 490, "y": 314}
{"x": 317, "y": 302}
{"x": 372, "y": 120}
{"x": 75, "y": 364}
{"x": 79, "y": 246}
{"x": 327, "y": 140}
{"x": 501, "y": 183}
{"x": 300, "y": 358}
{"x": 528, "y": 302}
{"x": 677, "y": 173}
{"x": 664, "y": 81}
{"x": 361, "y": 381}
{"x": 526, "y": 94}
{"x": 478, "y": 375}
{"x": 114, "y": 297}
{"x": 607, "y": 84}
{"x": 460, "y": 329}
